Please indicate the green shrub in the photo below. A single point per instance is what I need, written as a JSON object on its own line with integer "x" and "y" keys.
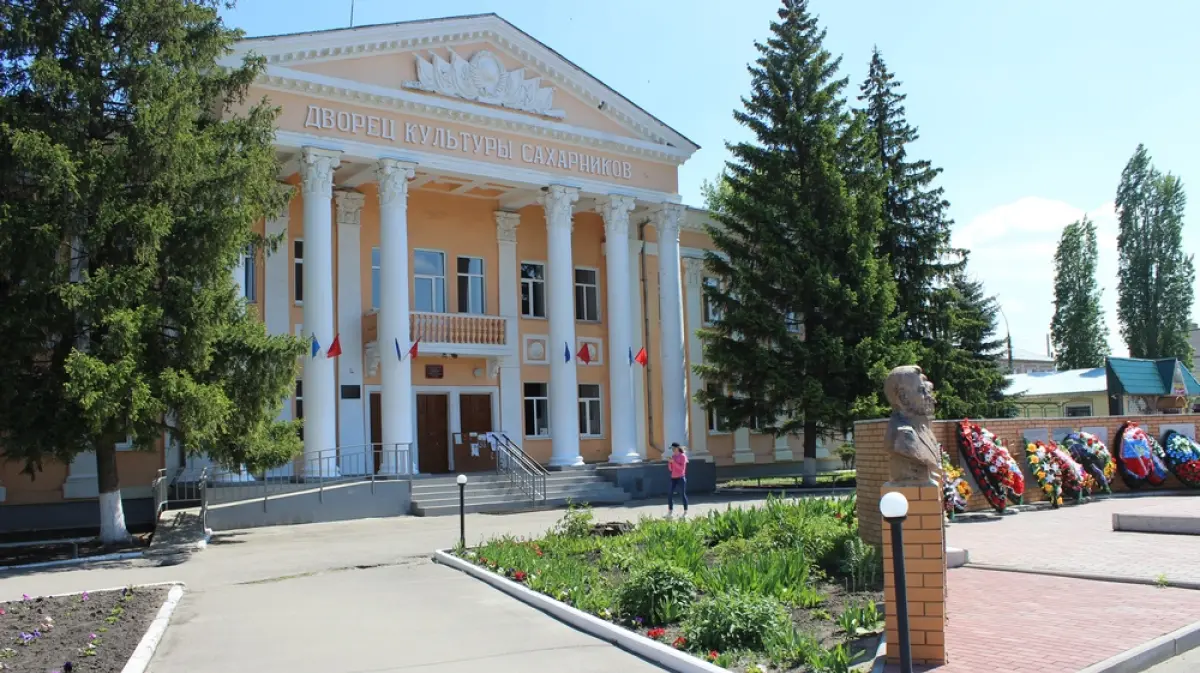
{"x": 658, "y": 592}
{"x": 735, "y": 523}
{"x": 782, "y": 574}
{"x": 735, "y": 621}
{"x": 676, "y": 543}
{"x": 821, "y": 537}
{"x": 576, "y": 523}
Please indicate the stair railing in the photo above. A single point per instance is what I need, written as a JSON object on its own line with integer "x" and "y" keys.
{"x": 522, "y": 471}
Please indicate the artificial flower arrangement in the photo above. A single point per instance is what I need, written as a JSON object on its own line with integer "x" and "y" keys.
{"x": 1074, "y": 479}
{"x": 1093, "y": 456}
{"x": 1137, "y": 460}
{"x": 990, "y": 464}
{"x": 1046, "y": 471}
{"x": 955, "y": 489}
{"x": 1182, "y": 456}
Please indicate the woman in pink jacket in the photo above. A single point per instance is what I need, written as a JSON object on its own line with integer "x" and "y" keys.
{"x": 678, "y": 466}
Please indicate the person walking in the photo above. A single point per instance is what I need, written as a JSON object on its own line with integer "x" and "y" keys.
{"x": 678, "y": 466}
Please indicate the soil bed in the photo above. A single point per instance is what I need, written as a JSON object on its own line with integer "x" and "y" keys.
{"x": 43, "y": 550}
{"x": 82, "y": 633}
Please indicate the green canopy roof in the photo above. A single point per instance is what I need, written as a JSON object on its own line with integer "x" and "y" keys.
{"x": 1130, "y": 376}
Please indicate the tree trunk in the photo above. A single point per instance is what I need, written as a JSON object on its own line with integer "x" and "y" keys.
{"x": 112, "y": 514}
{"x": 810, "y": 453}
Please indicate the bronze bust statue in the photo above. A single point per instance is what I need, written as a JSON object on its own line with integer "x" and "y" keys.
{"x": 915, "y": 454}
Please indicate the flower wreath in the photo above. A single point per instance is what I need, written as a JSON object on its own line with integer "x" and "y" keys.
{"x": 1074, "y": 479}
{"x": 955, "y": 489}
{"x": 1093, "y": 456}
{"x": 1046, "y": 471}
{"x": 990, "y": 464}
{"x": 1182, "y": 456}
{"x": 1137, "y": 460}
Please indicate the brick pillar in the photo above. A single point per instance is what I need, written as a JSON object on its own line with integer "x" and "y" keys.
{"x": 925, "y": 568}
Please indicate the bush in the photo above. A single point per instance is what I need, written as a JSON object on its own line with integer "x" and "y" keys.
{"x": 735, "y": 621}
{"x": 659, "y": 593}
{"x": 576, "y": 523}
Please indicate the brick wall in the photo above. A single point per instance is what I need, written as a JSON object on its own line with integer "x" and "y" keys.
{"x": 925, "y": 578}
{"x": 872, "y": 460}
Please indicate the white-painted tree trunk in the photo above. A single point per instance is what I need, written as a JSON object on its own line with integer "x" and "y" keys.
{"x": 810, "y": 471}
{"x": 112, "y": 519}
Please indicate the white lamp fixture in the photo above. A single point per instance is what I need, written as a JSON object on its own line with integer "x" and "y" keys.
{"x": 893, "y": 505}
{"x": 462, "y": 480}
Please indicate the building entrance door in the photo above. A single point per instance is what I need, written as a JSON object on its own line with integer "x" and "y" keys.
{"x": 376, "y": 401}
{"x": 433, "y": 433}
{"x": 473, "y": 454}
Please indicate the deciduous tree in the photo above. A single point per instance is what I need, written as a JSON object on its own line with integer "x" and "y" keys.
{"x": 1077, "y": 331}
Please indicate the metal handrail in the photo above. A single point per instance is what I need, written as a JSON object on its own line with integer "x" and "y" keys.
{"x": 530, "y": 470}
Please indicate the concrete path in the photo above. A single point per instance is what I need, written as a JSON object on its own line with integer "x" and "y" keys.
{"x": 1188, "y": 662}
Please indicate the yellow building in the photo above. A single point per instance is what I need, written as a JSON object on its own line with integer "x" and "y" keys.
{"x": 1070, "y": 393}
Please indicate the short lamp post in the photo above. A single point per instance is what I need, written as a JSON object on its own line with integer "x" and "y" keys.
{"x": 894, "y": 508}
{"x": 462, "y": 510}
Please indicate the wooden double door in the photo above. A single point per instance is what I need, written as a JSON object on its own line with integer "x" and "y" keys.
{"x": 433, "y": 436}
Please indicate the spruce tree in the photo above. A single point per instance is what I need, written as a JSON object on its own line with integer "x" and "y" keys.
{"x": 807, "y": 323}
{"x": 1078, "y": 332}
{"x": 1155, "y": 276}
{"x": 126, "y": 197}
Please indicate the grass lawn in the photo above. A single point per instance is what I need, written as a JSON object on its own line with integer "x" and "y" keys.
{"x": 786, "y": 586}
{"x": 841, "y": 478}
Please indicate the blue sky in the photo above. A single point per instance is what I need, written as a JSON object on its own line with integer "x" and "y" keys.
{"x": 1031, "y": 107}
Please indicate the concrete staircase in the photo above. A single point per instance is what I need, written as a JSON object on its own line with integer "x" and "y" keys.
{"x": 491, "y": 493}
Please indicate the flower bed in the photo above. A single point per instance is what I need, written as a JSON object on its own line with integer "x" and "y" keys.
{"x": 1182, "y": 457}
{"x": 995, "y": 472}
{"x": 80, "y": 633}
{"x": 1093, "y": 456}
{"x": 1137, "y": 458}
{"x": 788, "y": 586}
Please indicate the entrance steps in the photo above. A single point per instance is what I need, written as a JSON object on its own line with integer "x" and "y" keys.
{"x": 493, "y": 493}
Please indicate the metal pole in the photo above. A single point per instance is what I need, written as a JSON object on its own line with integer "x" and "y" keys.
{"x": 897, "y": 526}
{"x": 462, "y": 516}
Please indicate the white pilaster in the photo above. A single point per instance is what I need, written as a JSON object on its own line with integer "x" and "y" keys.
{"x": 558, "y": 202}
{"x": 320, "y": 399}
{"x": 670, "y": 301}
{"x": 622, "y": 409}
{"x": 511, "y": 398}
{"x": 698, "y": 419}
{"x": 635, "y": 339}
{"x": 742, "y": 453}
{"x": 353, "y": 458}
{"x": 277, "y": 303}
{"x": 396, "y": 394}
{"x": 783, "y": 451}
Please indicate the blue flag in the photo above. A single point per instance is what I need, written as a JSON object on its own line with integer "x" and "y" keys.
{"x": 631, "y": 356}
{"x": 566, "y": 352}
{"x": 399, "y": 355}
{"x": 316, "y": 346}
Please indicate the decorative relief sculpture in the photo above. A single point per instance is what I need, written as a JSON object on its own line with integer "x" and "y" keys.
{"x": 915, "y": 454}
{"x": 483, "y": 78}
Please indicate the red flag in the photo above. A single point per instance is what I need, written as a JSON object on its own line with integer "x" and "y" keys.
{"x": 585, "y": 354}
{"x": 412, "y": 352}
{"x": 641, "y": 358}
{"x": 335, "y": 348}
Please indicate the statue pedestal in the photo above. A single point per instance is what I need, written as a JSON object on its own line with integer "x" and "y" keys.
{"x": 925, "y": 573}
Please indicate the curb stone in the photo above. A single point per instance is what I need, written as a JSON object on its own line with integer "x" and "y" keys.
{"x": 140, "y": 660}
{"x": 1151, "y": 653}
{"x": 880, "y": 655}
{"x": 83, "y": 560}
{"x": 653, "y": 651}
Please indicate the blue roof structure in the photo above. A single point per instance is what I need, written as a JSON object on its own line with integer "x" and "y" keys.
{"x": 1131, "y": 376}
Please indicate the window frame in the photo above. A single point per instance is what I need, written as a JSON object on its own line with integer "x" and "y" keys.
{"x": 1077, "y": 405}
{"x": 595, "y": 287}
{"x": 532, "y": 282}
{"x": 711, "y": 312}
{"x": 532, "y": 414}
{"x": 298, "y": 404}
{"x": 420, "y": 276}
{"x": 466, "y": 276}
{"x": 717, "y": 425}
{"x": 593, "y": 422}
{"x": 250, "y": 275}
{"x": 297, "y": 272}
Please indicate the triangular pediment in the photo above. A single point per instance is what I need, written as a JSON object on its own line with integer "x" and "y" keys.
{"x": 481, "y": 65}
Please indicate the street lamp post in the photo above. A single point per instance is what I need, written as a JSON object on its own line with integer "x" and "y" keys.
{"x": 462, "y": 511}
{"x": 894, "y": 508}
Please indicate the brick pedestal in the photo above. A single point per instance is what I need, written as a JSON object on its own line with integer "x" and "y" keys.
{"x": 925, "y": 570}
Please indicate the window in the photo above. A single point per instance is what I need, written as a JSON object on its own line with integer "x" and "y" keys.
{"x": 712, "y": 313}
{"x": 589, "y": 410}
{"x": 429, "y": 281}
{"x": 470, "y": 285}
{"x": 1077, "y": 410}
{"x": 587, "y": 295}
{"x": 716, "y": 423}
{"x": 376, "y": 279}
{"x": 298, "y": 271}
{"x": 537, "y": 410}
{"x": 300, "y": 404}
{"x": 249, "y": 274}
{"x": 533, "y": 290}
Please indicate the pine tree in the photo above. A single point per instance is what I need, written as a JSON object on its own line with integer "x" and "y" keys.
{"x": 806, "y": 330}
{"x": 916, "y": 229}
{"x": 1155, "y": 276}
{"x": 962, "y": 355}
{"x": 125, "y": 201}
{"x": 1078, "y": 332}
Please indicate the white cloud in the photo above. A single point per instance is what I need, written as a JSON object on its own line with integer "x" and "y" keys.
{"x": 1012, "y": 253}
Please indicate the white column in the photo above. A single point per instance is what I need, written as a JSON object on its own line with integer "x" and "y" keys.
{"x": 511, "y": 398}
{"x": 622, "y": 407}
{"x": 354, "y": 458}
{"x": 639, "y": 324}
{"x": 742, "y": 452}
{"x": 277, "y": 304}
{"x": 697, "y": 418}
{"x": 396, "y": 397}
{"x": 670, "y": 301}
{"x": 560, "y": 290}
{"x": 320, "y": 399}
